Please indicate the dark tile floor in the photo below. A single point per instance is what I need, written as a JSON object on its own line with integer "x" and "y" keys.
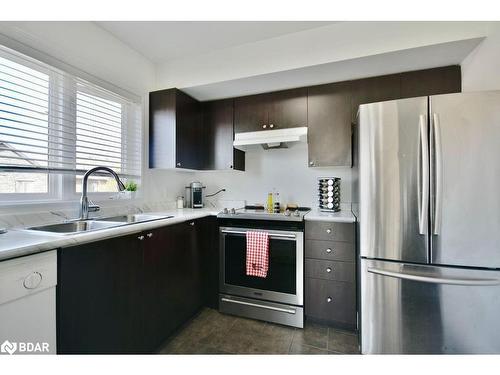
{"x": 211, "y": 332}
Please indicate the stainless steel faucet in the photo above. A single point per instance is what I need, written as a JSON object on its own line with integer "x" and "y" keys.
{"x": 86, "y": 205}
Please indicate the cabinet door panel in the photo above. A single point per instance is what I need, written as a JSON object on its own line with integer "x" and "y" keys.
{"x": 330, "y": 270}
{"x": 287, "y": 109}
{"x": 330, "y": 250}
{"x": 184, "y": 270}
{"x": 157, "y": 303}
{"x": 100, "y": 297}
{"x": 375, "y": 89}
{"x": 331, "y": 301}
{"x": 435, "y": 81}
{"x": 329, "y": 121}
{"x": 209, "y": 248}
{"x": 162, "y": 129}
{"x": 329, "y": 231}
{"x": 218, "y": 122}
{"x": 190, "y": 140}
{"x": 251, "y": 113}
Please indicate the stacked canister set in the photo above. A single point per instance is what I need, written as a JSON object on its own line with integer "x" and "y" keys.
{"x": 329, "y": 194}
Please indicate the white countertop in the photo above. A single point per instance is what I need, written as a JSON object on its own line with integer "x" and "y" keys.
{"x": 19, "y": 242}
{"x": 343, "y": 216}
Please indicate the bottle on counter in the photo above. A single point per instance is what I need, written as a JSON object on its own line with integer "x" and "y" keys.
{"x": 270, "y": 207}
{"x": 180, "y": 202}
{"x": 277, "y": 207}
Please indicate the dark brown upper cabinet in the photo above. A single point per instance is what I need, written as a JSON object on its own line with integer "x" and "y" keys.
{"x": 329, "y": 119}
{"x": 176, "y": 136}
{"x": 250, "y": 113}
{"x": 270, "y": 111}
{"x": 218, "y": 123}
{"x": 374, "y": 89}
{"x": 288, "y": 109}
{"x": 435, "y": 81}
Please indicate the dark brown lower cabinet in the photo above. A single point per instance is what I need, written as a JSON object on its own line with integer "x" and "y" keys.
{"x": 209, "y": 237}
{"x": 332, "y": 302}
{"x": 172, "y": 280}
{"x": 330, "y": 273}
{"x": 99, "y": 297}
{"x": 128, "y": 294}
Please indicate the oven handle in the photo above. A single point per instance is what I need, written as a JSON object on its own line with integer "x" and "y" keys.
{"x": 280, "y": 235}
{"x": 288, "y": 311}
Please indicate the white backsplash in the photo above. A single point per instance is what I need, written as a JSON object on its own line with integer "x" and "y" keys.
{"x": 285, "y": 170}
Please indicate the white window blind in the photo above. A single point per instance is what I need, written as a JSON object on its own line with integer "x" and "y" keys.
{"x": 52, "y": 122}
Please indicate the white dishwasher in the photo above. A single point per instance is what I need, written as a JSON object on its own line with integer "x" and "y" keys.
{"x": 28, "y": 304}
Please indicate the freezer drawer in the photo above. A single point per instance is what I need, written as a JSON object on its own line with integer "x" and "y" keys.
{"x": 428, "y": 309}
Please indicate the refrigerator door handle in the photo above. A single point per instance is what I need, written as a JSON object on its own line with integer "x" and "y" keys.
{"x": 438, "y": 185}
{"x": 435, "y": 280}
{"x": 423, "y": 186}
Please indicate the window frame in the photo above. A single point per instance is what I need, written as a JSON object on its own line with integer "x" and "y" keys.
{"x": 61, "y": 186}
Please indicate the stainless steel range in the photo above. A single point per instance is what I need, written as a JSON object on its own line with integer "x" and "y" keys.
{"x": 279, "y": 297}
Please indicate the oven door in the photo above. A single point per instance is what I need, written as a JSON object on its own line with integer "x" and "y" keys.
{"x": 284, "y": 281}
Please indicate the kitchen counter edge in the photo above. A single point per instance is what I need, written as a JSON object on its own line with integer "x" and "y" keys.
{"x": 344, "y": 216}
{"x": 21, "y": 242}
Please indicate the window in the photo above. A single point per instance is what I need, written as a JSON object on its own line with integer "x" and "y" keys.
{"x": 55, "y": 126}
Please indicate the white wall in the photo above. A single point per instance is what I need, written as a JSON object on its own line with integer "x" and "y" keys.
{"x": 285, "y": 170}
{"x": 481, "y": 69}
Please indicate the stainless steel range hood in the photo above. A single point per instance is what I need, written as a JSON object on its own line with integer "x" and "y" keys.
{"x": 279, "y": 138}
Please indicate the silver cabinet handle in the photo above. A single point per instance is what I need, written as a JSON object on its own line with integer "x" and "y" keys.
{"x": 435, "y": 280}
{"x": 328, "y": 270}
{"x": 192, "y": 223}
{"x": 328, "y": 231}
{"x": 264, "y": 126}
{"x": 271, "y": 126}
{"x": 140, "y": 238}
{"x": 149, "y": 235}
{"x": 423, "y": 180}
{"x": 289, "y": 311}
{"x": 328, "y": 299}
{"x": 328, "y": 250}
{"x": 438, "y": 192}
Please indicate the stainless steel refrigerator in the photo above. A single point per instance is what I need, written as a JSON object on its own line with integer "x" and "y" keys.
{"x": 429, "y": 224}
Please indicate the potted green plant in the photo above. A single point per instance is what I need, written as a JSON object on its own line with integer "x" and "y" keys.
{"x": 131, "y": 188}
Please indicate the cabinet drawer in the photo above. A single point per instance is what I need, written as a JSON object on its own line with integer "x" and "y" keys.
{"x": 329, "y": 270}
{"x": 330, "y": 250}
{"x": 325, "y": 230}
{"x": 330, "y": 301}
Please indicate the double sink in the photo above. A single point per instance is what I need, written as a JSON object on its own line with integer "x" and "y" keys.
{"x": 83, "y": 226}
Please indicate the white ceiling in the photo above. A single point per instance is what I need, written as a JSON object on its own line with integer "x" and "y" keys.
{"x": 436, "y": 55}
{"x": 161, "y": 41}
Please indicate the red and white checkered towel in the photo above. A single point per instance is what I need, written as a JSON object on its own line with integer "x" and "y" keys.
{"x": 257, "y": 253}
